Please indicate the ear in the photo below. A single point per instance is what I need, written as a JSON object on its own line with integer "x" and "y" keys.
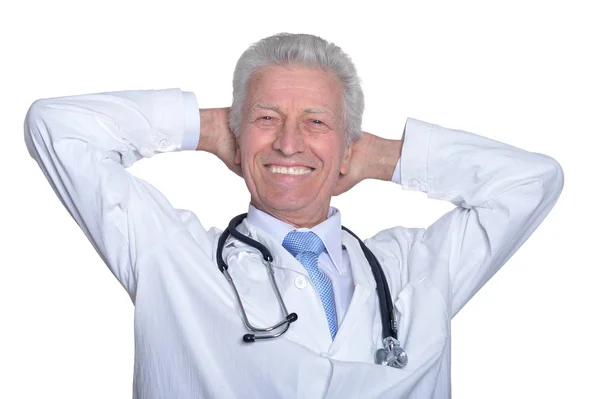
{"x": 347, "y": 159}
{"x": 238, "y": 154}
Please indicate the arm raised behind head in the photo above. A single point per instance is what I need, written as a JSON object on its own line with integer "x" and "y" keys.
{"x": 84, "y": 143}
{"x": 216, "y": 137}
{"x": 373, "y": 157}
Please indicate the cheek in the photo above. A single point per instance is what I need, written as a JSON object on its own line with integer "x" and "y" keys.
{"x": 330, "y": 153}
{"x": 251, "y": 145}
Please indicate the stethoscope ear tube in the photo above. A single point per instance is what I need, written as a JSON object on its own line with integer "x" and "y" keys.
{"x": 257, "y": 333}
{"x": 247, "y": 240}
{"x": 289, "y": 319}
{"x": 231, "y": 229}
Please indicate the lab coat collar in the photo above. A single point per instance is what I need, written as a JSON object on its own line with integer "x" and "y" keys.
{"x": 361, "y": 271}
{"x": 328, "y": 231}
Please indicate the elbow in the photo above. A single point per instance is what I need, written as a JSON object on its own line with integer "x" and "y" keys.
{"x": 34, "y": 125}
{"x": 34, "y": 114}
{"x": 553, "y": 178}
{"x": 546, "y": 181}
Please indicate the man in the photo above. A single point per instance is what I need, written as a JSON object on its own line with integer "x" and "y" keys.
{"x": 294, "y": 134}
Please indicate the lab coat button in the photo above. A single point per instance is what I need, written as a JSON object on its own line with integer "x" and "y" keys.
{"x": 300, "y": 282}
{"x": 413, "y": 183}
{"x": 164, "y": 143}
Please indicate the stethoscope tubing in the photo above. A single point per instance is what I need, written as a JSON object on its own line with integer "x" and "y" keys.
{"x": 389, "y": 326}
{"x": 391, "y": 354}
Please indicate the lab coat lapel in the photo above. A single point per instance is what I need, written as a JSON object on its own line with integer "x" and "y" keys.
{"x": 311, "y": 329}
{"x": 249, "y": 273}
{"x": 364, "y": 289}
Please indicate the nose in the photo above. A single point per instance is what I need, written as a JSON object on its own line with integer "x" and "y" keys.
{"x": 289, "y": 139}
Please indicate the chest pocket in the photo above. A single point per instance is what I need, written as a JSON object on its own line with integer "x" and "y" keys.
{"x": 424, "y": 324}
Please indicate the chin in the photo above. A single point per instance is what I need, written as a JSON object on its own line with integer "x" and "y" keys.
{"x": 287, "y": 199}
{"x": 288, "y": 206}
{"x": 284, "y": 203}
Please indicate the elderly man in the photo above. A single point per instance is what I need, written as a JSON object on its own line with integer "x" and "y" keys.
{"x": 361, "y": 320}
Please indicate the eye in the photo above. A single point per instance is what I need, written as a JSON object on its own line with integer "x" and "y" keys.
{"x": 265, "y": 120}
{"x": 316, "y": 125}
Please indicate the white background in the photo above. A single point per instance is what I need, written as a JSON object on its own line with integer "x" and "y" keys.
{"x": 525, "y": 73}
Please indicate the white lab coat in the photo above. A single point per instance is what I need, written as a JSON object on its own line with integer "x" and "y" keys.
{"x": 188, "y": 326}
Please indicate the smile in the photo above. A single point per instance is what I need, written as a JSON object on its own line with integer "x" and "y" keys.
{"x": 295, "y": 170}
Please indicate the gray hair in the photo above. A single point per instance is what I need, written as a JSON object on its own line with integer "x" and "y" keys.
{"x": 286, "y": 49}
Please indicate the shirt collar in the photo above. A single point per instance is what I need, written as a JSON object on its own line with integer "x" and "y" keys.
{"x": 329, "y": 231}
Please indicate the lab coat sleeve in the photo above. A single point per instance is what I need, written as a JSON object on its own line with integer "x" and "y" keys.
{"x": 501, "y": 193}
{"x": 84, "y": 143}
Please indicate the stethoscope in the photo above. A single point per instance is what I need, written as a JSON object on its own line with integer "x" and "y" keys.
{"x": 391, "y": 354}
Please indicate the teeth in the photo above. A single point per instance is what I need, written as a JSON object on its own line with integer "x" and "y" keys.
{"x": 290, "y": 171}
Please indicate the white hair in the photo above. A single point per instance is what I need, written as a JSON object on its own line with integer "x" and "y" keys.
{"x": 286, "y": 49}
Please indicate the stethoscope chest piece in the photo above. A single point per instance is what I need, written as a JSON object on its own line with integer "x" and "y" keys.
{"x": 391, "y": 354}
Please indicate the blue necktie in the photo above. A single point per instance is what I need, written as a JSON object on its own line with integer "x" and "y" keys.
{"x": 306, "y": 247}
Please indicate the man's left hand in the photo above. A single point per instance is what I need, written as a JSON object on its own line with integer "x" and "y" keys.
{"x": 373, "y": 157}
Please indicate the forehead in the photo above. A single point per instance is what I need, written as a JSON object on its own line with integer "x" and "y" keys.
{"x": 286, "y": 87}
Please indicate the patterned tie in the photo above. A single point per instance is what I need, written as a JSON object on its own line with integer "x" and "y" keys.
{"x": 306, "y": 247}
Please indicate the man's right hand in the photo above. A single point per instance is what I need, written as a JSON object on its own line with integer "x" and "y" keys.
{"x": 217, "y": 138}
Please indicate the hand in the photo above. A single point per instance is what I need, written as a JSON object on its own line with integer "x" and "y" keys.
{"x": 372, "y": 157}
{"x": 356, "y": 168}
{"x": 217, "y": 138}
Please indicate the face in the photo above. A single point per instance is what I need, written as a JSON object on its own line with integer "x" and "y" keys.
{"x": 292, "y": 147}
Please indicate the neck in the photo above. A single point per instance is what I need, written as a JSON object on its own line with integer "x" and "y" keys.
{"x": 307, "y": 218}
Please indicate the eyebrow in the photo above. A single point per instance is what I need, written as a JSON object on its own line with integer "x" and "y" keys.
{"x": 316, "y": 111}
{"x": 306, "y": 110}
{"x": 267, "y": 106}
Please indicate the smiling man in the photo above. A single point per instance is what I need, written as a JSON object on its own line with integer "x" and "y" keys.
{"x": 293, "y": 146}
{"x": 350, "y": 319}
